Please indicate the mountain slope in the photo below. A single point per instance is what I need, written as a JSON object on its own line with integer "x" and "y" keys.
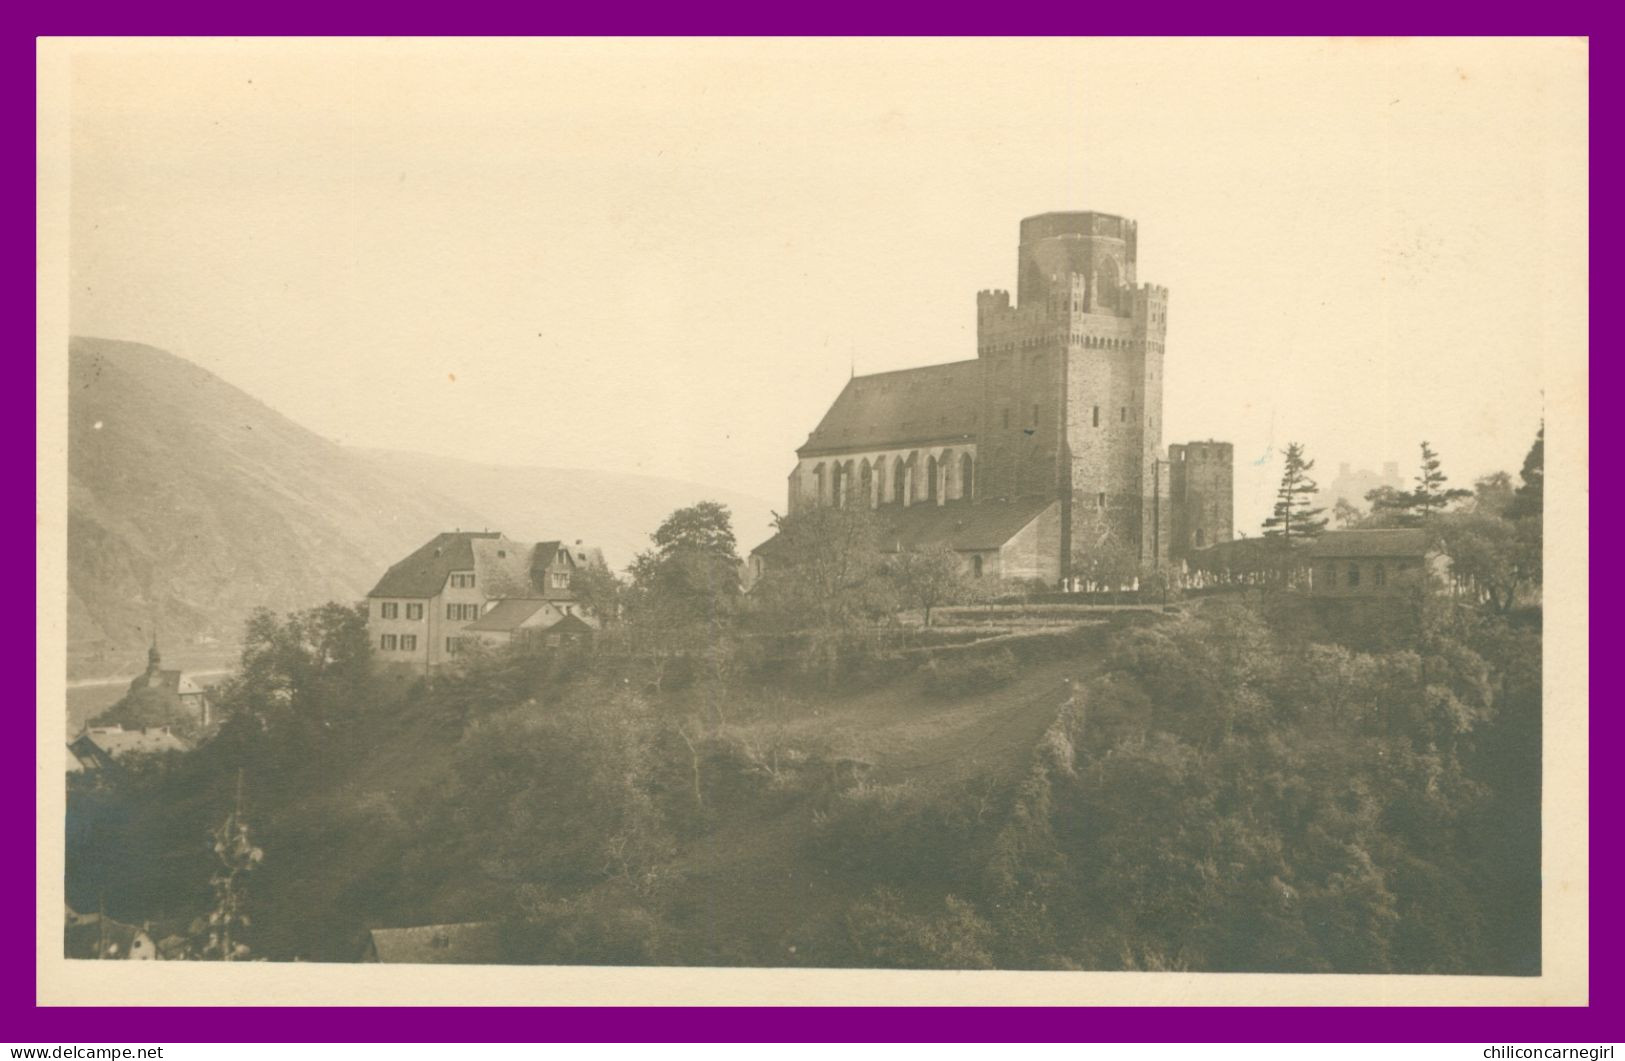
{"x": 191, "y": 503}
{"x": 613, "y": 510}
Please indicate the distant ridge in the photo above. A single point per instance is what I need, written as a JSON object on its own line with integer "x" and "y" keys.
{"x": 190, "y": 503}
{"x": 616, "y": 511}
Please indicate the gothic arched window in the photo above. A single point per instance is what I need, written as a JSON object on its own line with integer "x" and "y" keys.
{"x": 967, "y": 477}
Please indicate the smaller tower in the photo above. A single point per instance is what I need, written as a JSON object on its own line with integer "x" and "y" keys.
{"x": 1201, "y": 488}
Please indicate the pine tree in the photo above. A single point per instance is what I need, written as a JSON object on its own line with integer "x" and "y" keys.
{"x": 1294, "y": 519}
{"x": 1530, "y": 498}
{"x": 1431, "y": 495}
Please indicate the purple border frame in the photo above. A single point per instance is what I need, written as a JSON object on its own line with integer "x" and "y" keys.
{"x": 22, "y": 1021}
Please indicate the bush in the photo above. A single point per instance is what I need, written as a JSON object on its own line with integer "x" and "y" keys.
{"x": 882, "y": 934}
{"x": 969, "y": 674}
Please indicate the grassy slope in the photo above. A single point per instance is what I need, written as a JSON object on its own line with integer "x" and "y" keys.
{"x": 745, "y": 889}
{"x": 751, "y": 883}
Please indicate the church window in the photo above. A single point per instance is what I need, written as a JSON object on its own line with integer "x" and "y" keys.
{"x": 899, "y": 480}
{"x": 389, "y": 610}
{"x": 1331, "y": 576}
{"x": 976, "y": 566}
{"x": 1379, "y": 577}
{"x": 409, "y": 642}
{"x": 1097, "y": 416}
{"x": 414, "y": 612}
{"x": 387, "y": 642}
{"x": 967, "y": 476}
{"x": 1199, "y": 538}
{"x": 1354, "y": 575}
{"x": 1100, "y": 500}
{"x": 931, "y": 479}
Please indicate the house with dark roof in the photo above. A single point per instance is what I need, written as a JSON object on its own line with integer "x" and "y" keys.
{"x": 103, "y": 747}
{"x": 464, "y": 586}
{"x": 1390, "y": 563}
{"x": 1048, "y": 442}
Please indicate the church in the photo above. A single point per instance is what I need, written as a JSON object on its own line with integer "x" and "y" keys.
{"x": 1043, "y": 452}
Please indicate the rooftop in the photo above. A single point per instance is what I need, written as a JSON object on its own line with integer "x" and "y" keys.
{"x": 471, "y": 943}
{"x": 1393, "y": 541}
{"x": 900, "y": 407}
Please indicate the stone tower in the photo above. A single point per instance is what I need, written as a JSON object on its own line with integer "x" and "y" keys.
{"x": 1201, "y": 478}
{"x": 1072, "y": 387}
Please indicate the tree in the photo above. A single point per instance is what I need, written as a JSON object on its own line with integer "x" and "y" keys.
{"x": 1389, "y": 508}
{"x": 238, "y": 857}
{"x": 599, "y": 591}
{"x": 694, "y": 565}
{"x": 928, "y": 577}
{"x": 1498, "y": 557}
{"x": 1294, "y": 519}
{"x": 313, "y": 666}
{"x": 1493, "y": 494}
{"x": 685, "y": 590}
{"x": 1431, "y": 496}
{"x": 706, "y": 527}
{"x": 1347, "y": 513}
{"x": 824, "y": 585}
{"x": 1529, "y": 502}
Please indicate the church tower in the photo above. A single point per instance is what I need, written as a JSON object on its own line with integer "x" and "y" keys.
{"x": 1072, "y": 388}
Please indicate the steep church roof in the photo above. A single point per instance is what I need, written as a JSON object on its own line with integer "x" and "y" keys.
{"x": 889, "y": 409}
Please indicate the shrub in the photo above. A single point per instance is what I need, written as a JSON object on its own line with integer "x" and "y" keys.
{"x": 884, "y": 935}
{"x": 969, "y": 674}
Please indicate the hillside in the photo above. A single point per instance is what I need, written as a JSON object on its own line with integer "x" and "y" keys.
{"x": 191, "y": 503}
{"x": 614, "y": 510}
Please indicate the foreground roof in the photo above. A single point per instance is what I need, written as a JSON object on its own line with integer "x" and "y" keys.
{"x": 116, "y": 741}
{"x": 904, "y": 407}
{"x": 507, "y": 615}
{"x": 473, "y": 943}
{"x": 1393, "y": 541}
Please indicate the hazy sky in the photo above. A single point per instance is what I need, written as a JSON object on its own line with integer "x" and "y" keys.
{"x": 663, "y": 256}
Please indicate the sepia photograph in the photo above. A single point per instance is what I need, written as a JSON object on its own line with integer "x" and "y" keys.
{"x": 1064, "y": 506}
